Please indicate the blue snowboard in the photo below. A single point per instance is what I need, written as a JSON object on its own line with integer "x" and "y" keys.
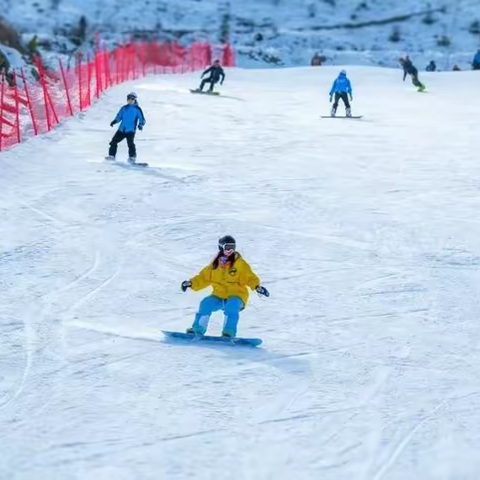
{"x": 190, "y": 337}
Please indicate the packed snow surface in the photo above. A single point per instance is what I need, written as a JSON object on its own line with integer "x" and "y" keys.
{"x": 366, "y": 232}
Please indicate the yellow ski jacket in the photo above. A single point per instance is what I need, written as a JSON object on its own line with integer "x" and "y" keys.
{"x": 228, "y": 280}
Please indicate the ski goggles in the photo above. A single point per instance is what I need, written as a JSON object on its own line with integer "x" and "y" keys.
{"x": 228, "y": 247}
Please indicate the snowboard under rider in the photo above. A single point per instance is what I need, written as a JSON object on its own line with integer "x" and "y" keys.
{"x": 215, "y": 73}
{"x": 129, "y": 116}
{"x": 341, "y": 89}
{"x": 229, "y": 275}
{"x": 410, "y": 69}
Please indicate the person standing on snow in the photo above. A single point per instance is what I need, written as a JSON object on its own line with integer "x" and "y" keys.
{"x": 341, "y": 88}
{"x": 216, "y": 72}
{"x": 476, "y": 61}
{"x": 431, "y": 67}
{"x": 229, "y": 275}
{"x": 410, "y": 69}
{"x": 130, "y": 116}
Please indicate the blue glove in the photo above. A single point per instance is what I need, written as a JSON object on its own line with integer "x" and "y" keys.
{"x": 112, "y": 123}
{"x": 262, "y": 291}
{"x": 140, "y": 127}
{"x": 186, "y": 284}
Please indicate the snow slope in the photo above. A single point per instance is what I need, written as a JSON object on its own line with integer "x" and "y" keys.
{"x": 283, "y": 31}
{"x": 365, "y": 232}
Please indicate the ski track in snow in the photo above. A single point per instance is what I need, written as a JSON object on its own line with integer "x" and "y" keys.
{"x": 365, "y": 234}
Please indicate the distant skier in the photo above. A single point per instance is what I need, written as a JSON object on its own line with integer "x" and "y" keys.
{"x": 130, "y": 116}
{"x": 341, "y": 88}
{"x": 410, "y": 69}
{"x": 431, "y": 67}
{"x": 476, "y": 61}
{"x": 215, "y": 73}
{"x": 229, "y": 275}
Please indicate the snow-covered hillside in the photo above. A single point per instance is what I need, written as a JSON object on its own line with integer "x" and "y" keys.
{"x": 366, "y": 234}
{"x": 282, "y": 32}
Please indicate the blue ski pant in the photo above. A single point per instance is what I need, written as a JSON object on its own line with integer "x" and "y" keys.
{"x": 230, "y": 306}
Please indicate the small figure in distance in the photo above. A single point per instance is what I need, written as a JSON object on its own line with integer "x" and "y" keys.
{"x": 410, "y": 69}
{"x": 216, "y": 73}
{"x": 341, "y": 88}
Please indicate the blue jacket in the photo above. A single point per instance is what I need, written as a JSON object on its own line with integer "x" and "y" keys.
{"x": 341, "y": 85}
{"x": 130, "y": 116}
{"x": 476, "y": 58}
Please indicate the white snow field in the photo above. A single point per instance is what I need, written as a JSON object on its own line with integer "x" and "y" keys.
{"x": 366, "y": 233}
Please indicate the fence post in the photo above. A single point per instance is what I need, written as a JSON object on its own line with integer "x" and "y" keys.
{"x": 30, "y": 106}
{"x": 97, "y": 75}
{"x": 44, "y": 87}
{"x": 66, "y": 86}
{"x": 89, "y": 76}
{"x": 79, "y": 75}
{"x": 17, "y": 107}
{"x": 55, "y": 117}
{"x": 2, "y": 97}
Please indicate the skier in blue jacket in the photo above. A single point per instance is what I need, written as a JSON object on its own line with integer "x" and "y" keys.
{"x": 341, "y": 88}
{"x": 129, "y": 116}
{"x": 476, "y": 61}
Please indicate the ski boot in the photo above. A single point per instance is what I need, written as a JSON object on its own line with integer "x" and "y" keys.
{"x": 227, "y": 335}
{"x": 196, "y": 331}
{"x": 348, "y": 112}
{"x": 333, "y": 111}
{"x": 421, "y": 88}
{"x": 110, "y": 158}
{"x": 132, "y": 160}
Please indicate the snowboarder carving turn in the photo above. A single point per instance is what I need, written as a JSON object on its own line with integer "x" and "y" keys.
{"x": 215, "y": 73}
{"x": 129, "y": 116}
{"x": 341, "y": 89}
{"x": 410, "y": 69}
{"x": 229, "y": 275}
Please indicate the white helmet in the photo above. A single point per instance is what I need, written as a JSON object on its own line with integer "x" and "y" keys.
{"x": 132, "y": 95}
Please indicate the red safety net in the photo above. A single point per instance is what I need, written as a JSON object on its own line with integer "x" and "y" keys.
{"x": 29, "y": 107}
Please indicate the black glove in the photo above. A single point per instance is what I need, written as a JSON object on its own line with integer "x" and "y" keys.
{"x": 331, "y": 98}
{"x": 112, "y": 123}
{"x": 351, "y": 98}
{"x": 186, "y": 284}
{"x": 140, "y": 127}
{"x": 262, "y": 291}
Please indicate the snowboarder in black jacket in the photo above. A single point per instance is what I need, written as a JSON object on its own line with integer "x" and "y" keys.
{"x": 216, "y": 72}
{"x": 410, "y": 69}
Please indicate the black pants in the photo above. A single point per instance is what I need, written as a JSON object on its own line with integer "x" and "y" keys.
{"x": 415, "y": 80}
{"x": 344, "y": 97}
{"x": 117, "y": 138}
{"x": 211, "y": 81}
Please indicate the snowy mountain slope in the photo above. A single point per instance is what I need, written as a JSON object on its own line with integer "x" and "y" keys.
{"x": 365, "y": 232}
{"x": 283, "y": 31}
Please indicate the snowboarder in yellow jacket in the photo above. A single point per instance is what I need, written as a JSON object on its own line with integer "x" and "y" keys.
{"x": 229, "y": 275}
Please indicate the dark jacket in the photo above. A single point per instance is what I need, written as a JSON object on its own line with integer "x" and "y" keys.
{"x": 408, "y": 68}
{"x": 215, "y": 73}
